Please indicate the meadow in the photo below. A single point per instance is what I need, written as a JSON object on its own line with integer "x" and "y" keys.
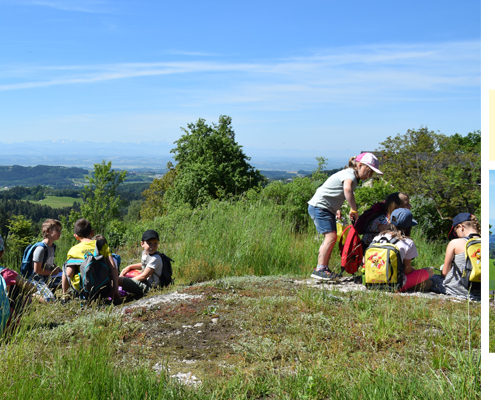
{"x": 58, "y": 201}
{"x": 275, "y": 338}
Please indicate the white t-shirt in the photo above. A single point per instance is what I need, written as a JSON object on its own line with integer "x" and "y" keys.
{"x": 330, "y": 195}
{"x": 153, "y": 261}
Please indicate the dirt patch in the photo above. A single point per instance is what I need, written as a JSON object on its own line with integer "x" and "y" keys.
{"x": 195, "y": 331}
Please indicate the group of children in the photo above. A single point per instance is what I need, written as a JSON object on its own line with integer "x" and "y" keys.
{"x": 136, "y": 279}
{"x": 395, "y": 223}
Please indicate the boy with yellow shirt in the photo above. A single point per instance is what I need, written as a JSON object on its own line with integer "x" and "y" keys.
{"x": 83, "y": 233}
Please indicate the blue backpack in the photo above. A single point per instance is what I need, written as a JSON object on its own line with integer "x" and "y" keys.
{"x": 27, "y": 258}
{"x": 4, "y": 303}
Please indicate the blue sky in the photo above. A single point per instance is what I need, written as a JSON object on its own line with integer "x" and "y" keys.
{"x": 324, "y": 77}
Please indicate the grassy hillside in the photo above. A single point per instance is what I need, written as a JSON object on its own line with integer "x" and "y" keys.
{"x": 249, "y": 338}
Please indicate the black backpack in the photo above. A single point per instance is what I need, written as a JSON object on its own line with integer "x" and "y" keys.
{"x": 96, "y": 276}
{"x": 166, "y": 276}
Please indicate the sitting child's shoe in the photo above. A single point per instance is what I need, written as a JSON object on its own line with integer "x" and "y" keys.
{"x": 325, "y": 275}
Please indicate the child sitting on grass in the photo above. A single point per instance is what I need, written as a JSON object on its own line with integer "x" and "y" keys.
{"x": 17, "y": 293}
{"x": 47, "y": 272}
{"x": 401, "y": 222}
{"x": 464, "y": 226}
{"x": 84, "y": 233}
{"x": 146, "y": 273}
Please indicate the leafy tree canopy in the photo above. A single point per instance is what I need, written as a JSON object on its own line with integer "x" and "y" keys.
{"x": 210, "y": 164}
{"x": 446, "y": 169}
{"x": 101, "y": 203}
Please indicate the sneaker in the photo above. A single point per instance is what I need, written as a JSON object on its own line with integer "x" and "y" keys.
{"x": 325, "y": 275}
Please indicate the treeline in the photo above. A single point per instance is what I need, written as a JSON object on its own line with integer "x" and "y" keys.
{"x": 35, "y": 212}
{"x": 36, "y": 193}
{"x": 56, "y": 176}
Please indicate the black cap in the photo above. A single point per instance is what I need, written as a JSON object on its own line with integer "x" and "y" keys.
{"x": 150, "y": 234}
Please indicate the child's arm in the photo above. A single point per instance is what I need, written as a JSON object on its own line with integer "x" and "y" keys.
{"x": 449, "y": 258}
{"x": 130, "y": 268}
{"x": 115, "y": 276}
{"x": 349, "y": 196}
{"x": 408, "y": 267}
{"x": 143, "y": 276}
{"x": 38, "y": 269}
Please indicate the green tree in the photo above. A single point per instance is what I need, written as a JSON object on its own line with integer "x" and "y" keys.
{"x": 20, "y": 233}
{"x": 445, "y": 169}
{"x": 101, "y": 203}
{"x": 154, "y": 204}
{"x": 210, "y": 164}
{"x": 318, "y": 174}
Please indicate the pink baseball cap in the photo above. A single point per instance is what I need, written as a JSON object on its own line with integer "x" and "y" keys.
{"x": 370, "y": 160}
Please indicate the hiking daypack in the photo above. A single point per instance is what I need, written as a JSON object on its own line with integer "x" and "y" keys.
{"x": 95, "y": 276}
{"x": 4, "y": 304}
{"x": 351, "y": 251}
{"x": 166, "y": 276}
{"x": 472, "y": 272}
{"x": 369, "y": 215}
{"x": 27, "y": 258}
{"x": 383, "y": 267}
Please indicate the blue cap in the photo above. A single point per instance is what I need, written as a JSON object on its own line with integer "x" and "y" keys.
{"x": 458, "y": 219}
{"x": 402, "y": 218}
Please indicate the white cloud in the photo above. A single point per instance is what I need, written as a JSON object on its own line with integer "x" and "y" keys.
{"x": 352, "y": 74}
{"x": 85, "y": 6}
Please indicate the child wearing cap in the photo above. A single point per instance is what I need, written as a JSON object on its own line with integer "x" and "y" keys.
{"x": 325, "y": 205}
{"x": 464, "y": 225}
{"x": 146, "y": 273}
{"x": 401, "y": 223}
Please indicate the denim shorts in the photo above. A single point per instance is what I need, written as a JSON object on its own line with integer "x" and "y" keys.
{"x": 324, "y": 219}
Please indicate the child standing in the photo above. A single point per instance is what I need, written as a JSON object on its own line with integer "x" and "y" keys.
{"x": 464, "y": 226}
{"x": 84, "y": 233}
{"x": 44, "y": 268}
{"x": 401, "y": 222}
{"x": 325, "y": 205}
{"x": 150, "y": 267}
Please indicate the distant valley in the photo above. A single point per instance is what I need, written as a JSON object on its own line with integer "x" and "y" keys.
{"x": 149, "y": 155}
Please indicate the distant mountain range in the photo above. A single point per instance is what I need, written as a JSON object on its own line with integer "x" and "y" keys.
{"x": 491, "y": 239}
{"x": 150, "y": 155}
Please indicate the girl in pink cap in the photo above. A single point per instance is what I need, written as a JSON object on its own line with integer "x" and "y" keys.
{"x": 325, "y": 205}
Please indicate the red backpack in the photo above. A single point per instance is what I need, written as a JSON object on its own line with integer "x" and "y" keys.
{"x": 351, "y": 251}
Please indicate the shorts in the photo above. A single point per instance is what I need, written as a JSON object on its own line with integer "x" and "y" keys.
{"x": 324, "y": 219}
{"x": 135, "y": 287}
{"x": 414, "y": 278}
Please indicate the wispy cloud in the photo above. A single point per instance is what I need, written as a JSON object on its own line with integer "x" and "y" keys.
{"x": 85, "y": 6}
{"x": 352, "y": 73}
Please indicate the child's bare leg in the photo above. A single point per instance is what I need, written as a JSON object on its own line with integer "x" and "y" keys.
{"x": 326, "y": 248}
{"x": 69, "y": 273}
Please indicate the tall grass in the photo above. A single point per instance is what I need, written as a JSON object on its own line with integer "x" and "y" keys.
{"x": 241, "y": 238}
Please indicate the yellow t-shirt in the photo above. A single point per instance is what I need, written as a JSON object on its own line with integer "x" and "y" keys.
{"x": 79, "y": 250}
